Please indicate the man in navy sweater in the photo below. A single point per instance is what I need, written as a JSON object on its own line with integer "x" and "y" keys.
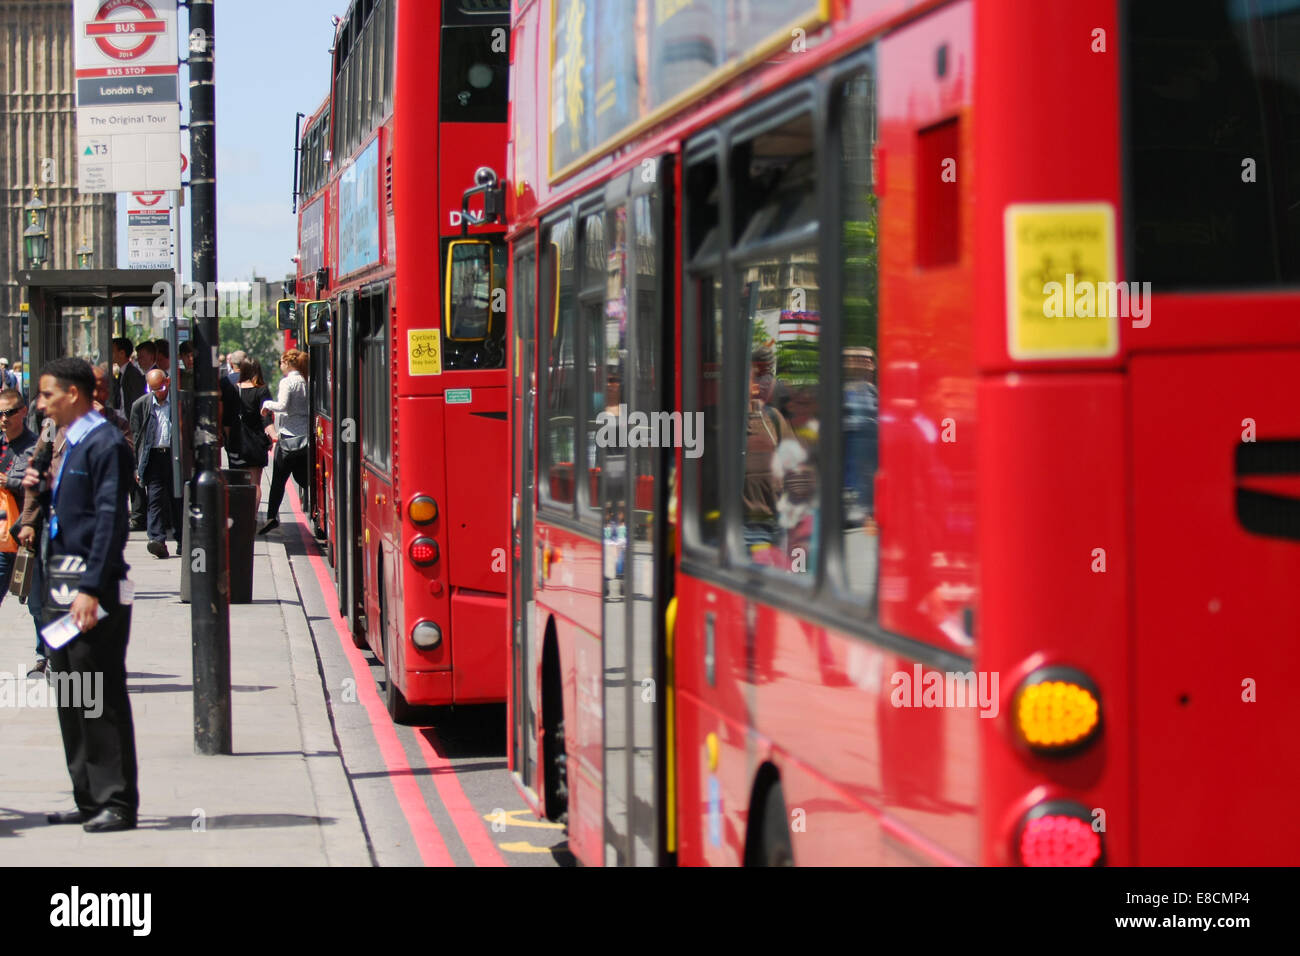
{"x": 88, "y": 530}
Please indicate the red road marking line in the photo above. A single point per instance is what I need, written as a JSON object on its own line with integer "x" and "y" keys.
{"x": 468, "y": 823}
{"x": 463, "y": 814}
{"x": 428, "y": 839}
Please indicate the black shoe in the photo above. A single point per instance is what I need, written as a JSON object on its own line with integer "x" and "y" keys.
{"x": 108, "y": 820}
{"x": 40, "y": 668}
{"x": 137, "y": 526}
{"x": 67, "y": 816}
{"x": 158, "y": 549}
{"x": 269, "y": 526}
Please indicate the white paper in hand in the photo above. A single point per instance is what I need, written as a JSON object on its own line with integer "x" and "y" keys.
{"x": 64, "y": 629}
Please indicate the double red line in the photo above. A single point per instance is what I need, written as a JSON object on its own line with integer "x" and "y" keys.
{"x": 428, "y": 838}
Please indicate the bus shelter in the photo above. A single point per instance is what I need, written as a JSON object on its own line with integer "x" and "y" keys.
{"x": 79, "y": 311}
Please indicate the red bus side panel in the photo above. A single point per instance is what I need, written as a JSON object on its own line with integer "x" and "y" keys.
{"x": 1054, "y": 589}
{"x": 478, "y": 490}
{"x": 1215, "y": 650}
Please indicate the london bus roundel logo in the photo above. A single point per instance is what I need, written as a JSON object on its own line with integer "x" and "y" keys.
{"x": 128, "y": 36}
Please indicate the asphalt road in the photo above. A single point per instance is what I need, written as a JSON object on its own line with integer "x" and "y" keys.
{"x": 434, "y": 794}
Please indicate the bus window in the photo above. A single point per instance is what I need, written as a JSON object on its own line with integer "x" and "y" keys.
{"x": 704, "y": 340}
{"x": 475, "y": 64}
{"x": 1213, "y": 104}
{"x": 859, "y": 400}
{"x": 558, "y": 317}
{"x": 595, "y": 264}
{"x": 780, "y": 299}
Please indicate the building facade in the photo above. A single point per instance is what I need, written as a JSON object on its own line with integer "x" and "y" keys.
{"x": 38, "y": 140}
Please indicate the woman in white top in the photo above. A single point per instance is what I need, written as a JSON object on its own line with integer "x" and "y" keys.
{"x": 292, "y": 451}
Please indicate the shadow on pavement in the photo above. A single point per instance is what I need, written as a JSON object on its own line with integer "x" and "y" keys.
{"x": 14, "y": 820}
{"x": 187, "y": 688}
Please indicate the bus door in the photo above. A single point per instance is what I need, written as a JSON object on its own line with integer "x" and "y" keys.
{"x": 635, "y": 458}
{"x": 523, "y": 726}
{"x": 349, "y": 571}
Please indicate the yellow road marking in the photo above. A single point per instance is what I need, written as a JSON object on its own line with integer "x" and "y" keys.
{"x": 523, "y": 846}
{"x": 511, "y": 820}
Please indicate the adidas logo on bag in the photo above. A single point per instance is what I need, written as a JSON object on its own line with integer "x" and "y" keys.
{"x": 62, "y": 595}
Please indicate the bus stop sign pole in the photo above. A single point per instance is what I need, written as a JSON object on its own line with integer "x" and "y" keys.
{"x": 210, "y": 574}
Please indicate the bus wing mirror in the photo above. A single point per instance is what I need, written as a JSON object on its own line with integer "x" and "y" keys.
{"x": 318, "y": 323}
{"x": 286, "y": 315}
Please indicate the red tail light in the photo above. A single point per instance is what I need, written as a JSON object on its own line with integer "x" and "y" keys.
{"x": 424, "y": 551}
{"x": 1058, "y": 834}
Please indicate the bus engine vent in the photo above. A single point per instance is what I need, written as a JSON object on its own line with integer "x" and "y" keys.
{"x": 1268, "y": 488}
{"x": 388, "y": 181}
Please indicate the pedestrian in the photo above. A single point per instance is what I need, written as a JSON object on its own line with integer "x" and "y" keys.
{"x": 18, "y": 375}
{"x": 7, "y": 378}
{"x": 236, "y": 361}
{"x": 146, "y": 357}
{"x": 47, "y": 457}
{"x": 251, "y": 439}
{"x": 130, "y": 382}
{"x": 146, "y": 360}
{"x": 88, "y": 527}
{"x": 223, "y": 369}
{"x": 291, "y": 449}
{"x": 16, "y": 445}
{"x": 111, "y": 415}
{"x": 163, "y": 352}
{"x": 151, "y": 427}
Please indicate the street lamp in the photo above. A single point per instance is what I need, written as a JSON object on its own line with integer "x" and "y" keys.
{"x": 35, "y": 238}
{"x": 84, "y": 253}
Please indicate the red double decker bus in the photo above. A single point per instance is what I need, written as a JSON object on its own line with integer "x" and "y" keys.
{"x": 409, "y": 383}
{"x": 306, "y": 315}
{"x": 1014, "y": 599}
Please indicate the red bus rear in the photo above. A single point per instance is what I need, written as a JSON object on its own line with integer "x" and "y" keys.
{"x": 411, "y": 435}
{"x": 978, "y": 551}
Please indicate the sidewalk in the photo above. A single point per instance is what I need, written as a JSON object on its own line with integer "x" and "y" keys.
{"x": 282, "y": 798}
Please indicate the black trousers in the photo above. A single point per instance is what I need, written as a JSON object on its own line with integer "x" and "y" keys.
{"x": 99, "y": 745}
{"x": 137, "y": 505}
{"x": 286, "y": 463}
{"x": 164, "y": 507}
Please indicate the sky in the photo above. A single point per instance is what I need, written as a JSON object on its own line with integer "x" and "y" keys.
{"x": 272, "y": 61}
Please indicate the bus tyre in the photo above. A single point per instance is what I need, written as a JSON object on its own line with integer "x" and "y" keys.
{"x": 398, "y": 708}
{"x": 557, "y": 773}
{"x": 774, "y": 848}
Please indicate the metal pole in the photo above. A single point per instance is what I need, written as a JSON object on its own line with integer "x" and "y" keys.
{"x": 210, "y": 588}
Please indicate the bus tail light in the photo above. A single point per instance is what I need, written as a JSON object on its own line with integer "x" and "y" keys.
{"x": 422, "y": 509}
{"x": 1058, "y": 833}
{"x": 426, "y": 635}
{"x": 1056, "y": 708}
{"x": 424, "y": 552}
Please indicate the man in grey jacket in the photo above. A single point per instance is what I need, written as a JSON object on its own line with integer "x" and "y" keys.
{"x": 151, "y": 428}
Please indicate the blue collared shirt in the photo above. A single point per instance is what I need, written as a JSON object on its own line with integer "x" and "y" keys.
{"x": 162, "y": 414}
{"x": 78, "y": 430}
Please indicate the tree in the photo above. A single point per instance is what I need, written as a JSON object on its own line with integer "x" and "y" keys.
{"x": 258, "y": 337}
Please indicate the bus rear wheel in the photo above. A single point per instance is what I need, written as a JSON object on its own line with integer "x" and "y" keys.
{"x": 774, "y": 847}
{"x": 394, "y": 699}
